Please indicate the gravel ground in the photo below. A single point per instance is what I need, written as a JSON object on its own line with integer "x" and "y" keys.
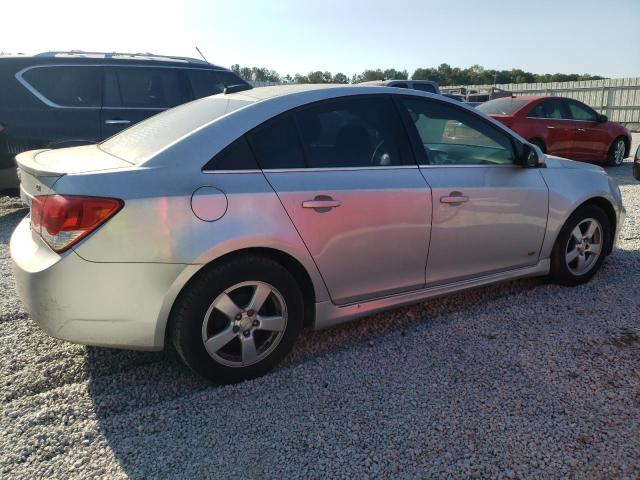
{"x": 519, "y": 380}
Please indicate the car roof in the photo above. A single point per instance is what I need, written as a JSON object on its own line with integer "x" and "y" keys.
{"x": 394, "y": 80}
{"x": 107, "y": 58}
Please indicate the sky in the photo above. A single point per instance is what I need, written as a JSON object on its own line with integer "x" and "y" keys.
{"x": 599, "y": 37}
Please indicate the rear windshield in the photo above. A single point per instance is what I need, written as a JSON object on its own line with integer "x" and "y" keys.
{"x": 502, "y": 106}
{"x": 147, "y": 138}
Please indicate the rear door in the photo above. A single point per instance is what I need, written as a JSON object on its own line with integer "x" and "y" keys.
{"x": 489, "y": 214}
{"x": 133, "y": 93}
{"x": 345, "y": 174}
{"x": 67, "y": 110}
{"x": 591, "y": 138}
{"x": 552, "y": 119}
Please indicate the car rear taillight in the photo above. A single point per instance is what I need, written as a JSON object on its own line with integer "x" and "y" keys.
{"x": 64, "y": 220}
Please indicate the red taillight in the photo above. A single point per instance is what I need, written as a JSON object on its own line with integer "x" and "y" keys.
{"x": 63, "y": 220}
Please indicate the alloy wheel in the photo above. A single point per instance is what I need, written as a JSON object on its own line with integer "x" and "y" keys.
{"x": 244, "y": 324}
{"x": 618, "y": 153}
{"x": 584, "y": 246}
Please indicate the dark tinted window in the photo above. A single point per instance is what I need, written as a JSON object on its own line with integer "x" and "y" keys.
{"x": 362, "y": 132}
{"x": 277, "y": 145}
{"x": 209, "y": 82}
{"x": 67, "y": 86}
{"x": 237, "y": 156}
{"x": 424, "y": 87}
{"x": 453, "y": 136}
{"x": 399, "y": 85}
{"x": 581, "y": 112}
{"x": 502, "y": 106}
{"x": 552, "y": 108}
{"x": 143, "y": 87}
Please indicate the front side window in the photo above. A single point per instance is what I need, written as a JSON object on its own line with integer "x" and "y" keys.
{"x": 581, "y": 112}
{"x": 145, "y": 87}
{"x": 67, "y": 86}
{"x": 452, "y": 136}
{"x": 553, "y": 109}
{"x": 211, "y": 82}
{"x": 357, "y": 132}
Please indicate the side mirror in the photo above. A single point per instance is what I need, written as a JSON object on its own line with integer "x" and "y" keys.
{"x": 531, "y": 156}
{"x": 602, "y": 118}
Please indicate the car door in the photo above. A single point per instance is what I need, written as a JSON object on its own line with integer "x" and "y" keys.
{"x": 133, "y": 93}
{"x": 551, "y": 120}
{"x": 489, "y": 214}
{"x": 67, "y": 110}
{"x": 345, "y": 174}
{"x": 592, "y": 138}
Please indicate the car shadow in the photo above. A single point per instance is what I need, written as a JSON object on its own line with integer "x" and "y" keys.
{"x": 140, "y": 396}
{"x": 9, "y": 219}
{"x": 624, "y": 173}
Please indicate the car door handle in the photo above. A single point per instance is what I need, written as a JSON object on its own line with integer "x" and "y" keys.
{"x": 321, "y": 203}
{"x": 117, "y": 121}
{"x": 581, "y": 130}
{"x": 550, "y": 127}
{"x": 454, "y": 199}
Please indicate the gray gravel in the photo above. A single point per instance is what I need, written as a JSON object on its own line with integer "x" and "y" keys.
{"x": 519, "y": 380}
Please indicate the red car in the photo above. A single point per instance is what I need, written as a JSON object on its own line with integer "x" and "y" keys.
{"x": 563, "y": 127}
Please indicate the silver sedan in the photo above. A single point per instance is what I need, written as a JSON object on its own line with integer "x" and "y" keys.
{"x": 226, "y": 225}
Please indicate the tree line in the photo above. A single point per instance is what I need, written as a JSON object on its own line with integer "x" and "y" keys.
{"x": 444, "y": 75}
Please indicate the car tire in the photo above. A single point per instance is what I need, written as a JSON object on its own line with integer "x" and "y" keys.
{"x": 539, "y": 143}
{"x": 617, "y": 151}
{"x": 573, "y": 259}
{"x": 228, "y": 342}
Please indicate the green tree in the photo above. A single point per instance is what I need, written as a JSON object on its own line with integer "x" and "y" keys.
{"x": 340, "y": 78}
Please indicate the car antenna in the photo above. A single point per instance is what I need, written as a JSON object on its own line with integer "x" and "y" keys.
{"x": 203, "y": 57}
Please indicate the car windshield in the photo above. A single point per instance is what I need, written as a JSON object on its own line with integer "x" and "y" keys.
{"x": 502, "y": 106}
{"x": 147, "y": 138}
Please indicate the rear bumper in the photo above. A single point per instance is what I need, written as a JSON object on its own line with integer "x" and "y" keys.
{"x": 121, "y": 305}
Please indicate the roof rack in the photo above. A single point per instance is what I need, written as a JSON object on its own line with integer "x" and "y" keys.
{"x": 121, "y": 56}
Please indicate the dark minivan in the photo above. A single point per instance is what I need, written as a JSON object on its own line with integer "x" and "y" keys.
{"x": 61, "y": 99}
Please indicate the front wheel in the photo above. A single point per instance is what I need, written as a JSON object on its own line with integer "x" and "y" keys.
{"x": 581, "y": 245}
{"x": 237, "y": 320}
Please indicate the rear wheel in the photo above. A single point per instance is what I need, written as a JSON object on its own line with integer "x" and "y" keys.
{"x": 238, "y": 320}
{"x": 581, "y": 245}
{"x": 616, "y": 152}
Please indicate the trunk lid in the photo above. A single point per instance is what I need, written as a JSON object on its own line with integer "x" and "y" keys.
{"x": 40, "y": 169}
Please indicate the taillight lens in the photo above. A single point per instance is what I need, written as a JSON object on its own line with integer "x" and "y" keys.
{"x": 63, "y": 220}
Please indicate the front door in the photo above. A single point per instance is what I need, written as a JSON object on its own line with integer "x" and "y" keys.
{"x": 345, "y": 174}
{"x": 489, "y": 214}
{"x": 592, "y": 139}
{"x": 552, "y": 120}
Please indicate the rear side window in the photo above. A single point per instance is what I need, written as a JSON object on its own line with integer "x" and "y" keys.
{"x": 276, "y": 144}
{"x": 237, "y": 156}
{"x": 143, "y": 87}
{"x": 502, "y": 106}
{"x": 552, "y": 109}
{"x": 359, "y": 132}
{"x": 210, "y": 82}
{"x": 68, "y": 86}
{"x": 424, "y": 87}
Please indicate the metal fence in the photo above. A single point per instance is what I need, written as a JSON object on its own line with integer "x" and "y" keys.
{"x": 617, "y": 98}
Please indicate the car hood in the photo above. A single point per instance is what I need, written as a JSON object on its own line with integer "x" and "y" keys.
{"x": 559, "y": 162}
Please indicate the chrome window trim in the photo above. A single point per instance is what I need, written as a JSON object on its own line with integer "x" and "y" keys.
{"x": 562, "y": 119}
{"x": 511, "y": 165}
{"x": 35, "y": 92}
{"x": 314, "y": 169}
